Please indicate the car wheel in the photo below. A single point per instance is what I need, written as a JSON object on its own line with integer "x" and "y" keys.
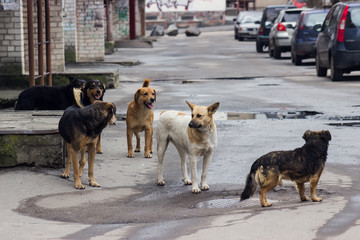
{"x": 277, "y": 52}
{"x": 297, "y": 60}
{"x": 271, "y": 50}
{"x": 259, "y": 46}
{"x": 292, "y": 56}
{"x": 320, "y": 71}
{"x": 336, "y": 74}
{"x": 235, "y": 35}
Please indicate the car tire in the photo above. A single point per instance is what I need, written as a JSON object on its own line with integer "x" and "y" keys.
{"x": 336, "y": 74}
{"x": 259, "y": 46}
{"x": 235, "y": 35}
{"x": 292, "y": 56}
{"x": 297, "y": 60}
{"x": 320, "y": 71}
{"x": 277, "y": 52}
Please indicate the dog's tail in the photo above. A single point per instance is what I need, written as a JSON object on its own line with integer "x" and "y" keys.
{"x": 146, "y": 82}
{"x": 250, "y": 187}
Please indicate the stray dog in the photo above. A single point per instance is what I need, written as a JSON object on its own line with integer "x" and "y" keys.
{"x": 81, "y": 127}
{"x": 192, "y": 136}
{"x": 301, "y": 165}
{"x": 48, "y": 98}
{"x": 94, "y": 90}
{"x": 140, "y": 117}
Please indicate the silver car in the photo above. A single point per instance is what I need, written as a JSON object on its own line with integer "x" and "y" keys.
{"x": 282, "y": 30}
{"x": 249, "y": 25}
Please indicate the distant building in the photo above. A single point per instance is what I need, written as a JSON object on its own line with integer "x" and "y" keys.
{"x": 185, "y": 13}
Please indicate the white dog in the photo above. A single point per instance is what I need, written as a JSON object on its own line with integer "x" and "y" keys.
{"x": 194, "y": 136}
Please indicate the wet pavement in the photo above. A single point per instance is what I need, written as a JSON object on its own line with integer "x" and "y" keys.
{"x": 256, "y": 115}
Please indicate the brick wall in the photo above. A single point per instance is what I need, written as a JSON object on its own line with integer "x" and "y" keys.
{"x": 90, "y": 30}
{"x": 11, "y": 38}
{"x": 57, "y": 38}
{"x": 120, "y": 19}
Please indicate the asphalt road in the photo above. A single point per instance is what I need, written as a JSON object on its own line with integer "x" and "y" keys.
{"x": 265, "y": 105}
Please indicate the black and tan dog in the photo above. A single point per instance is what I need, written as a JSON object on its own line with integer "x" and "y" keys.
{"x": 81, "y": 127}
{"x": 49, "y": 98}
{"x": 140, "y": 117}
{"x": 301, "y": 165}
{"x": 94, "y": 90}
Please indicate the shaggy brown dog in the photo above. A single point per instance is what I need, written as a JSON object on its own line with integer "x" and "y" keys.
{"x": 301, "y": 165}
{"x": 140, "y": 117}
{"x": 81, "y": 127}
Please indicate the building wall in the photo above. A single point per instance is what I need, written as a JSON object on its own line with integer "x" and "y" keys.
{"x": 90, "y": 30}
{"x": 69, "y": 26}
{"x": 11, "y": 38}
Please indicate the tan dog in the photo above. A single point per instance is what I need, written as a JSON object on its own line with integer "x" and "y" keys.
{"x": 140, "y": 117}
{"x": 194, "y": 136}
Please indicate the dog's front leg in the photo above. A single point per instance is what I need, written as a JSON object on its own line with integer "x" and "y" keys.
{"x": 82, "y": 160}
{"x": 129, "y": 133}
{"x": 193, "y": 164}
{"x": 148, "y": 137}
{"x": 206, "y": 163}
{"x": 138, "y": 147}
{"x": 91, "y": 160}
{"x": 301, "y": 189}
{"x": 75, "y": 161}
{"x": 313, "y": 184}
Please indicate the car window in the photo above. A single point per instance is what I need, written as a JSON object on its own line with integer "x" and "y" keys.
{"x": 353, "y": 18}
{"x": 271, "y": 14}
{"x": 313, "y": 19}
{"x": 250, "y": 19}
{"x": 290, "y": 17}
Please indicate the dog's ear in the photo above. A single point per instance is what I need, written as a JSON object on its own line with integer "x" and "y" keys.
{"x": 327, "y": 134}
{"x": 212, "y": 108}
{"x": 103, "y": 87}
{"x": 146, "y": 82}
{"x": 190, "y": 105}
{"x": 306, "y": 135}
{"x": 137, "y": 95}
{"x": 155, "y": 94}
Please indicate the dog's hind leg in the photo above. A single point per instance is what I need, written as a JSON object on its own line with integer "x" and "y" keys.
{"x": 185, "y": 178}
{"x": 66, "y": 173}
{"x": 98, "y": 145}
{"x": 148, "y": 137}
{"x": 267, "y": 183}
{"x": 162, "y": 145}
{"x": 205, "y": 168}
{"x": 301, "y": 188}
{"x": 82, "y": 161}
{"x": 137, "y": 136}
{"x": 91, "y": 160}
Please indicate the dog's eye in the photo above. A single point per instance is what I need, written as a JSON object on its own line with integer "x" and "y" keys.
{"x": 192, "y": 115}
{"x": 145, "y": 94}
{"x": 198, "y": 116}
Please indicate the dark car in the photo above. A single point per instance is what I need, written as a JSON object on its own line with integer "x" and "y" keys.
{"x": 338, "y": 43}
{"x": 270, "y": 13}
{"x": 304, "y": 37}
{"x": 247, "y": 24}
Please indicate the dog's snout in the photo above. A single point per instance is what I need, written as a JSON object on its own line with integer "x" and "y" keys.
{"x": 98, "y": 91}
{"x": 191, "y": 124}
{"x": 152, "y": 100}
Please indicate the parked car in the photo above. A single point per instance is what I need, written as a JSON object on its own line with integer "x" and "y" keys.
{"x": 298, "y": 3}
{"x": 304, "y": 36}
{"x": 247, "y": 24}
{"x": 270, "y": 13}
{"x": 281, "y": 32}
{"x": 338, "y": 43}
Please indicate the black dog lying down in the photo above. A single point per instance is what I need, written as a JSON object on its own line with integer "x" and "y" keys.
{"x": 49, "y": 98}
{"x": 304, "y": 164}
{"x": 81, "y": 127}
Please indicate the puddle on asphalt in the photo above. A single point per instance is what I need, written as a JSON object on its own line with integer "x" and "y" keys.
{"x": 230, "y": 203}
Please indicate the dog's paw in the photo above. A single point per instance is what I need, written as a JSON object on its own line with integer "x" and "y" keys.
{"x": 148, "y": 155}
{"x": 161, "y": 182}
{"x": 99, "y": 151}
{"x": 187, "y": 181}
{"x": 130, "y": 155}
{"x": 266, "y": 205}
{"x": 196, "y": 190}
{"x": 65, "y": 175}
{"x": 317, "y": 199}
{"x": 305, "y": 199}
{"x": 205, "y": 187}
{"x": 137, "y": 150}
{"x": 92, "y": 183}
{"x": 79, "y": 186}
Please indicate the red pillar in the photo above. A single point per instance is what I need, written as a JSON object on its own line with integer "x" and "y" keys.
{"x": 132, "y": 19}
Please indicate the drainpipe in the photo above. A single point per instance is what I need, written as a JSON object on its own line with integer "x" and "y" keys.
{"x": 48, "y": 42}
{"x": 40, "y": 43}
{"x": 108, "y": 35}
